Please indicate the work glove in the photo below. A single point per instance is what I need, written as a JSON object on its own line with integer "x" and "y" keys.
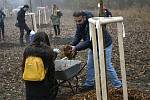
{"x": 73, "y": 48}
{"x": 56, "y": 50}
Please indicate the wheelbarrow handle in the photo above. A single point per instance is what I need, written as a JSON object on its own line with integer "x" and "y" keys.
{"x": 83, "y": 66}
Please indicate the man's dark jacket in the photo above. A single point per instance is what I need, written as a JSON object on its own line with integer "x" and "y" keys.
{"x": 82, "y": 33}
{"x": 21, "y": 17}
{"x": 2, "y": 16}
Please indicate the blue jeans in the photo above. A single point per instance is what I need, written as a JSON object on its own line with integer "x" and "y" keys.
{"x": 90, "y": 79}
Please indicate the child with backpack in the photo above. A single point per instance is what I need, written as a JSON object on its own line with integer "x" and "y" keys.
{"x": 38, "y": 69}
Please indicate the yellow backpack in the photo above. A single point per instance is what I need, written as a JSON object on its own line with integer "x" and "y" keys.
{"x": 34, "y": 69}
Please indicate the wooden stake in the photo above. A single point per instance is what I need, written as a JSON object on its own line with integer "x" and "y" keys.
{"x": 100, "y": 72}
{"x": 122, "y": 61}
{"x": 39, "y": 13}
{"x": 42, "y": 9}
{"x": 96, "y": 64}
{"x": 34, "y": 21}
{"x": 45, "y": 21}
{"x": 102, "y": 62}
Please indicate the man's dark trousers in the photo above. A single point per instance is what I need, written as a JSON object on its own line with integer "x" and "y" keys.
{"x": 27, "y": 29}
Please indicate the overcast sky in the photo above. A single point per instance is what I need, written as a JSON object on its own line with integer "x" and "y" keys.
{"x": 16, "y": 3}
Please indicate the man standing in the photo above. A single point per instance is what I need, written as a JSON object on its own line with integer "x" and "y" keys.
{"x": 2, "y": 17}
{"x": 22, "y": 24}
{"x": 82, "y": 33}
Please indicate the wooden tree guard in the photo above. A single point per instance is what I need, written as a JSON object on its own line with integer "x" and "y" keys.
{"x": 34, "y": 21}
{"x": 99, "y": 64}
{"x": 6, "y": 12}
{"x": 40, "y": 10}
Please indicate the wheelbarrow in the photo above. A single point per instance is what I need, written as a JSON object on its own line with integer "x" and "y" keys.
{"x": 67, "y": 70}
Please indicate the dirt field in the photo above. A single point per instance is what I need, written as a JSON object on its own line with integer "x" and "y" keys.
{"x": 137, "y": 57}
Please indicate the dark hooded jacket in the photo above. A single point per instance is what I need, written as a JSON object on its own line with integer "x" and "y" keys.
{"x": 46, "y": 89}
{"x": 2, "y": 16}
{"x": 21, "y": 17}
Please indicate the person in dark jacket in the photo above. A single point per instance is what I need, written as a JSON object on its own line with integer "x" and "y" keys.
{"x": 82, "y": 33}
{"x": 107, "y": 13}
{"x": 2, "y": 17}
{"x": 47, "y": 88}
{"x": 22, "y": 24}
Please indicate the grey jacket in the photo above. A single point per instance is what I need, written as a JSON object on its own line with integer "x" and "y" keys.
{"x": 55, "y": 20}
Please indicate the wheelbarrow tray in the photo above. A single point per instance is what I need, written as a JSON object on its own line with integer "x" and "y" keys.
{"x": 66, "y": 69}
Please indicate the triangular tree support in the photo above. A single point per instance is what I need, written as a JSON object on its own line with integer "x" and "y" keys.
{"x": 40, "y": 10}
{"x": 99, "y": 64}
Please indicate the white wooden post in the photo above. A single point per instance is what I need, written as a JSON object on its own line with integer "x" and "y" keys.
{"x": 39, "y": 14}
{"x": 6, "y": 12}
{"x": 40, "y": 10}
{"x": 45, "y": 16}
{"x": 96, "y": 64}
{"x": 34, "y": 20}
{"x": 99, "y": 21}
{"x": 122, "y": 60}
{"x": 102, "y": 62}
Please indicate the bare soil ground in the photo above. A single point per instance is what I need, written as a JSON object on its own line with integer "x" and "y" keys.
{"x": 137, "y": 57}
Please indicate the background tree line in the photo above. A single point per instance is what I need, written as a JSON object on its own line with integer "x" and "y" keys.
{"x": 77, "y": 4}
{"x": 115, "y": 4}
